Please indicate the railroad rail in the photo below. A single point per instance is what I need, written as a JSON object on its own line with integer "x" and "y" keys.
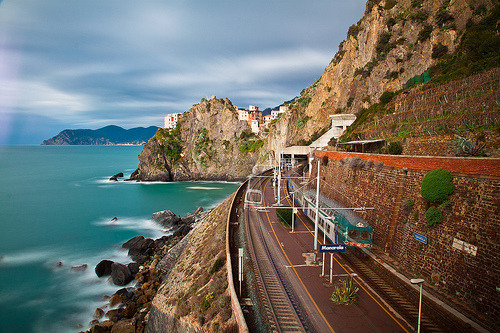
{"x": 402, "y": 298}
{"x": 279, "y": 302}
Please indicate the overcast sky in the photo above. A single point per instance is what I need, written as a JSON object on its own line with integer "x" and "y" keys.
{"x": 92, "y": 63}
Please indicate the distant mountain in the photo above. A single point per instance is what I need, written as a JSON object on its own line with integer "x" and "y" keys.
{"x": 109, "y": 135}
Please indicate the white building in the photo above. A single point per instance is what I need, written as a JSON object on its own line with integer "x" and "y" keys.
{"x": 171, "y": 120}
{"x": 255, "y": 126}
{"x": 243, "y": 114}
{"x": 276, "y": 113}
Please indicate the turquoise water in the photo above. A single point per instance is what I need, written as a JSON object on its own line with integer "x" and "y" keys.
{"x": 56, "y": 204}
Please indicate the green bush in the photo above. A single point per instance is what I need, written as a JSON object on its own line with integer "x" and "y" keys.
{"x": 437, "y": 186}
{"x": 395, "y": 148}
{"x": 219, "y": 262}
{"x": 425, "y": 33}
{"x": 386, "y": 97}
{"x": 439, "y": 50}
{"x": 284, "y": 215}
{"x": 433, "y": 216}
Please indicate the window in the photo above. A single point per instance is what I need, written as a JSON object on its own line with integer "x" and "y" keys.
{"x": 365, "y": 235}
{"x": 354, "y": 234}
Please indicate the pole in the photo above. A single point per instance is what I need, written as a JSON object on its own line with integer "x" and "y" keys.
{"x": 420, "y": 307}
{"x": 279, "y": 180}
{"x": 240, "y": 255}
{"x": 317, "y": 214}
{"x": 331, "y": 267}
{"x": 293, "y": 211}
{"x": 324, "y": 242}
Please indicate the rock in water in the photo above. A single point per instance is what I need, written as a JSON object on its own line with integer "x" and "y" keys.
{"x": 99, "y": 313}
{"x": 120, "y": 274}
{"x": 166, "y": 218}
{"x": 79, "y": 268}
{"x": 134, "y": 268}
{"x": 115, "y": 177}
{"x": 131, "y": 243}
{"x": 103, "y": 268}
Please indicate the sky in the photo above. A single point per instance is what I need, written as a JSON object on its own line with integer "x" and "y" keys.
{"x": 92, "y": 63}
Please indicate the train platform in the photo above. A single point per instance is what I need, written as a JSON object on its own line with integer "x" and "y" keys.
{"x": 296, "y": 255}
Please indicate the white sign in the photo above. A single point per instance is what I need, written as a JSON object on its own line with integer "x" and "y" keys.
{"x": 464, "y": 246}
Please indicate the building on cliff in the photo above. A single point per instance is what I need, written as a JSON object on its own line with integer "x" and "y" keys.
{"x": 253, "y": 116}
{"x": 171, "y": 120}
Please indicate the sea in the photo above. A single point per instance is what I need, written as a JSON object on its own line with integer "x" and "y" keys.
{"x": 57, "y": 204}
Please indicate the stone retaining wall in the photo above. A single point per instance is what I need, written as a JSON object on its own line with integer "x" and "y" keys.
{"x": 462, "y": 253}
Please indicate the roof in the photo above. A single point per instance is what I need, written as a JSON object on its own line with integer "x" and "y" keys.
{"x": 361, "y": 142}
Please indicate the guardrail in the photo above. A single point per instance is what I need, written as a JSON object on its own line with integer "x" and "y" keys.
{"x": 235, "y": 303}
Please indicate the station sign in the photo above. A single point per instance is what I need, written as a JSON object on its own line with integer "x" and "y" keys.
{"x": 420, "y": 238}
{"x": 347, "y": 243}
{"x": 332, "y": 248}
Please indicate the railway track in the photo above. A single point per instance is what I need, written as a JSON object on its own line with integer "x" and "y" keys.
{"x": 401, "y": 298}
{"x": 279, "y": 303}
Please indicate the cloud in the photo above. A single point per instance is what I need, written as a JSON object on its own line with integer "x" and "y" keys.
{"x": 128, "y": 63}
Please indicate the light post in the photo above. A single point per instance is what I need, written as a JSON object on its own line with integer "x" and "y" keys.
{"x": 421, "y": 283}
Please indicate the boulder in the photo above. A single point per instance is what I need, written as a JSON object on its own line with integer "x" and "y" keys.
{"x": 115, "y": 300}
{"x": 183, "y": 230}
{"x": 99, "y": 313}
{"x": 142, "y": 250}
{"x": 166, "y": 218}
{"x": 134, "y": 268}
{"x": 120, "y": 274}
{"x": 132, "y": 242}
{"x": 124, "y": 326}
{"x": 103, "y": 268}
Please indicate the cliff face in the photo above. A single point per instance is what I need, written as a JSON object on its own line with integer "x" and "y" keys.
{"x": 208, "y": 144}
{"x": 392, "y": 43}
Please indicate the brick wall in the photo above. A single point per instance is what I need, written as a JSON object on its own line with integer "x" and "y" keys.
{"x": 462, "y": 254}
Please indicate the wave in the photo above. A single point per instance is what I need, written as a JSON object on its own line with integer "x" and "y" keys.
{"x": 37, "y": 255}
{"x": 203, "y": 188}
{"x": 145, "y": 227}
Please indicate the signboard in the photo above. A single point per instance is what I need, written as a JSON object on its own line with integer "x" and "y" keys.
{"x": 420, "y": 238}
{"x": 347, "y": 243}
{"x": 332, "y": 248}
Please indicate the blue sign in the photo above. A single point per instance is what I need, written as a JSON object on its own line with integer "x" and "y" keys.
{"x": 332, "y": 248}
{"x": 420, "y": 238}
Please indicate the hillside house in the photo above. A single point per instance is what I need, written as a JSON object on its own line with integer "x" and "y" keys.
{"x": 171, "y": 120}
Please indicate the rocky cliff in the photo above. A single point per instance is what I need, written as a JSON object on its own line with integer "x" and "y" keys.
{"x": 209, "y": 143}
{"x": 393, "y": 42}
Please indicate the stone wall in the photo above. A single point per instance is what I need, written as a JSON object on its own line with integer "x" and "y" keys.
{"x": 462, "y": 253}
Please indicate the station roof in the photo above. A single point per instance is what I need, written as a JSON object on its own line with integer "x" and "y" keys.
{"x": 361, "y": 142}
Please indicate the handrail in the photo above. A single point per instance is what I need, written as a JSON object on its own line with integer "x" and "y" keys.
{"x": 235, "y": 303}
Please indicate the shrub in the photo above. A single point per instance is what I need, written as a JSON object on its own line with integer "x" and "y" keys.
{"x": 437, "y": 186}
{"x": 284, "y": 215}
{"x": 433, "y": 216}
{"x": 389, "y": 4}
{"x": 425, "y": 33}
{"x": 468, "y": 147}
{"x": 395, "y": 148}
{"x": 420, "y": 15}
{"x": 344, "y": 292}
{"x": 439, "y": 50}
{"x": 386, "y": 97}
{"x": 353, "y": 30}
{"x": 219, "y": 262}
{"x": 443, "y": 16}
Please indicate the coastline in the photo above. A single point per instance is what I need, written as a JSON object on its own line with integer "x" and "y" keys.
{"x": 128, "y": 307}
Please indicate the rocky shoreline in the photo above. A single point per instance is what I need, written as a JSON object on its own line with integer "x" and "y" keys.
{"x": 127, "y": 310}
